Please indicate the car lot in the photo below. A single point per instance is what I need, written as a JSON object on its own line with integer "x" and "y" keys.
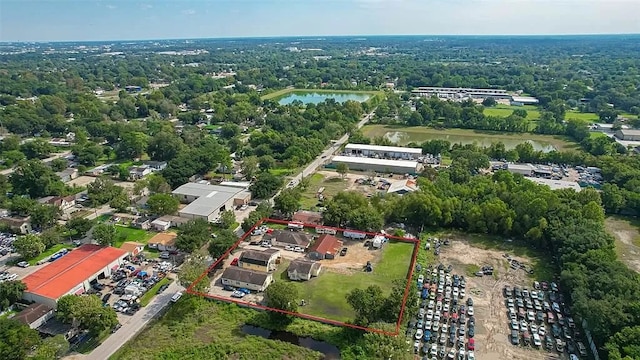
{"x": 123, "y": 290}
{"x": 539, "y": 318}
{"x": 445, "y": 324}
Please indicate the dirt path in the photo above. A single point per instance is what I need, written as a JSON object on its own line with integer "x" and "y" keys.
{"x": 492, "y": 331}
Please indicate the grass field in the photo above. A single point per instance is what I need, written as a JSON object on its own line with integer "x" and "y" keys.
{"x": 626, "y": 232}
{"x": 419, "y": 134}
{"x": 146, "y": 298}
{"x": 196, "y": 328}
{"x": 316, "y": 181}
{"x": 506, "y": 110}
{"x": 131, "y": 234}
{"x": 284, "y": 92}
{"x": 50, "y": 251}
{"x": 325, "y": 295}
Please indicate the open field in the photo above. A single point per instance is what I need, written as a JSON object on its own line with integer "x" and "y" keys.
{"x": 325, "y": 295}
{"x": 284, "y": 92}
{"x": 492, "y": 330}
{"x": 506, "y": 110}
{"x": 131, "y": 234}
{"x": 627, "y": 234}
{"x": 403, "y": 135}
{"x": 332, "y": 185}
{"x": 196, "y": 328}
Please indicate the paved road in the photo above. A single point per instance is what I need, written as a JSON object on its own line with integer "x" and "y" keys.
{"x": 326, "y": 155}
{"x": 56, "y": 156}
{"x": 133, "y": 325}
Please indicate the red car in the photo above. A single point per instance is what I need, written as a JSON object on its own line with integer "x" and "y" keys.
{"x": 234, "y": 262}
{"x": 471, "y": 345}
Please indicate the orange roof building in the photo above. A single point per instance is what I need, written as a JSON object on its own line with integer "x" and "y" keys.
{"x": 165, "y": 241}
{"x": 132, "y": 247}
{"x": 72, "y": 273}
{"x": 325, "y": 247}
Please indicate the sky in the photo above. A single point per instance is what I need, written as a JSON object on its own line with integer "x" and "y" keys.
{"x": 96, "y": 20}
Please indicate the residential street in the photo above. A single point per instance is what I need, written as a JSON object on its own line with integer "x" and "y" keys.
{"x": 133, "y": 326}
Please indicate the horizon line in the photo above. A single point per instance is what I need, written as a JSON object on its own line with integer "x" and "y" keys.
{"x": 324, "y": 36}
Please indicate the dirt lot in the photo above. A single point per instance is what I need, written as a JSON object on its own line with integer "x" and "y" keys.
{"x": 82, "y": 180}
{"x": 492, "y": 329}
{"x": 355, "y": 259}
{"x": 627, "y": 234}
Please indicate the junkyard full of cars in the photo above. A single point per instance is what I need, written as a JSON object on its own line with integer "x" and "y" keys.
{"x": 444, "y": 327}
{"x": 538, "y": 317}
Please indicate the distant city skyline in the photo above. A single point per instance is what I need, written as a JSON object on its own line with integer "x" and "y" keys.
{"x": 111, "y": 20}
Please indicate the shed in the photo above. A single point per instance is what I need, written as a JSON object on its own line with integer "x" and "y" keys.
{"x": 35, "y": 315}
{"x": 132, "y": 247}
{"x": 165, "y": 241}
{"x": 160, "y": 225}
{"x": 308, "y": 217}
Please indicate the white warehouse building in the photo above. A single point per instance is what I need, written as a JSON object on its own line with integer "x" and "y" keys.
{"x": 377, "y": 165}
{"x": 208, "y": 201}
{"x": 384, "y": 152}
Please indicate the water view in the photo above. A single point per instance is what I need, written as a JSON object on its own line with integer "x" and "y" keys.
{"x": 402, "y": 138}
{"x": 316, "y": 98}
{"x": 330, "y": 351}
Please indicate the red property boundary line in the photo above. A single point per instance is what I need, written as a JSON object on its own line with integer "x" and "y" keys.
{"x": 416, "y": 247}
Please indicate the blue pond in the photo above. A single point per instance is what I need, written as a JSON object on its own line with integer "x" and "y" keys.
{"x": 316, "y": 98}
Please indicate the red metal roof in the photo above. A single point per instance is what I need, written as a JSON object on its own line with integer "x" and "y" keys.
{"x": 61, "y": 276}
{"x": 326, "y": 244}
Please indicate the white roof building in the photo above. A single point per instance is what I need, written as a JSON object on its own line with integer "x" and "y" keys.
{"x": 525, "y": 100}
{"x": 378, "y": 165}
{"x": 208, "y": 201}
{"x": 557, "y": 184}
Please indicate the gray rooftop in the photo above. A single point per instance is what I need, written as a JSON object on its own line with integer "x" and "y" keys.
{"x": 210, "y": 197}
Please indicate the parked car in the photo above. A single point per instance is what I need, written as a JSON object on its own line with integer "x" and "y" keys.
{"x": 419, "y": 334}
{"x": 245, "y": 290}
{"x": 228, "y": 288}
{"x": 23, "y": 264}
{"x": 238, "y": 294}
{"x": 344, "y": 250}
{"x": 234, "y": 262}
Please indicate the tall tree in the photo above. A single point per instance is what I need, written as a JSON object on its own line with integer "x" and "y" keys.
{"x": 105, "y": 234}
{"x": 45, "y": 216}
{"x": 282, "y": 295}
{"x": 163, "y": 204}
{"x": 342, "y": 169}
{"x": 16, "y": 339}
{"x": 227, "y": 219}
{"x": 223, "y": 241}
{"x": 288, "y": 202}
{"x": 10, "y": 292}
{"x": 29, "y": 246}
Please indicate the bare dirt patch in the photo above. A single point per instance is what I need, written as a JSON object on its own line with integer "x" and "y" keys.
{"x": 627, "y": 235}
{"x": 355, "y": 259}
{"x": 492, "y": 330}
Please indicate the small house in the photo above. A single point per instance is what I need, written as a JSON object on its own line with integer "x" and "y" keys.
{"x": 249, "y": 279}
{"x": 142, "y": 222}
{"x": 61, "y": 202}
{"x": 160, "y": 225}
{"x": 20, "y": 225}
{"x": 165, "y": 241}
{"x": 308, "y": 217}
{"x": 156, "y": 165}
{"x": 35, "y": 315}
{"x": 301, "y": 269}
{"x": 403, "y": 187}
{"x": 133, "y": 248}
{"x": 138, "y": 172}
{"x": 265, "y": 260}
{"x": 325, "y": 247}
{"x": 68, "y": 174}
{"x": 284, "y": 238}
{"x": 353, "y": 234}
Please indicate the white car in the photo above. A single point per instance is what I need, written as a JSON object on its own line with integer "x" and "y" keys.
{"x": 23, "y": 264}
{"x": 298, "y": 249}
{"x": 452, "y": 354}
{"x": 436, "y": 316}
{"x": 534, "y": 328}
{"x": 429, "y": 314}
{"x": 445, "y": 307}
{"x": 421, "y": 279}
{"x": 542, "y": 330}
{"x": 435, "y": 327}
{"x": 427, "y": 324}
{"x": 419, "y": 334}
{"x": 288, "y": 247}
{"x": 462, "y": 293}
{"x": 432, "y": 304}
{"x": 470, "y": 310}
{"x": 434, "y": 350}
{"x": 471, "y": 355}
{"x": 461, "y": 354}
{"x": 266, "y": 244}
{"x": 456, "y": 292}
{"x": 536, "y": 340}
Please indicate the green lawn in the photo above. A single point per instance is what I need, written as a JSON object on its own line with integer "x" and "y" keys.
{"x": 331, "y": 186}
{"x": 325, "y": 295}
{"x": 585, "y": 117}
{"x": 281, "y": 171}
{"x": 50, "y": 251}
{"x": 506, "y": 110}
{"x": 87, "y": 346}
{"x": 146, "y": 298}
{"x": 130, "y": 234}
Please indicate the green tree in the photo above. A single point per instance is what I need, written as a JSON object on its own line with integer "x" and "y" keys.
{"x": 386, "y": 347}
{"x": 163, "y": 204}
{"x": 132, "y": 145}
{"x": 102, "y": 191}
{"x": 16, "y": 339}
{"x": 164, "y": 146}
{"x": 120, "y": 202}
{"x": 79, "y": 227}
{"x": 105, "y": 234}
{"x": 624, "y": 345}
{"x": 88, "y": 311}
{"x": 265, "y": 185}
{"x": 193, "y": 235}
{"x": 157, "y": 184}
{"x": 22, "y": 205}
{"x": 288, "y": 202}
{"x": 266, "y": 162}
{"x": 489, "y": 102}
{"x": 36, "y": 149}
{"x": 249, "y": 166}
{"x": 366, "y": 303}
{"x": 227, "y": 219}
{"x": 35, "y": 179}
{"x": 10, "y": 292}
{"x": 51, "y": 348}
{"x": 223, "y": 241}
{"x": 342, "y": 169}
{"x": 29, "y": 246}
{"x": 282, "y": 295}
{"x": 45, "y": 216}
{"x": 191, "y": 270}
{"x": 59, "y": 164}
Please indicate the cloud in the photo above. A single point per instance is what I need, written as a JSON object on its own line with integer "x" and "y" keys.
{"x": 110, "y": 7}
{"x": 188, "y": 12}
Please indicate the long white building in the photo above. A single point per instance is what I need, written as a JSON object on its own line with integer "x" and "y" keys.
{"x": 460, "y": 93}
{"x": 383, "y": 152}
{"x": 377, "y": 165}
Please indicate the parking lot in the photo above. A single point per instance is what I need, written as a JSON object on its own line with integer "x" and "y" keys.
{"x": 128, "y": 284}
{"x": 444, "y": 326}
{"x": 492, "y": 333}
